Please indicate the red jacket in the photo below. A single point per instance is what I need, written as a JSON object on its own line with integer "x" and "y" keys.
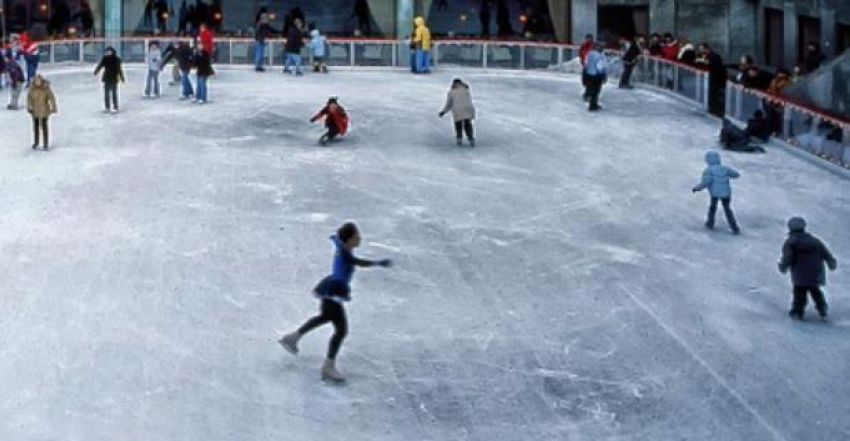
{"x": 336, "y": 117}
{"x": 584, "y": 50}
{"x": 670, "y": 51}
{"x": 207, "y": 39}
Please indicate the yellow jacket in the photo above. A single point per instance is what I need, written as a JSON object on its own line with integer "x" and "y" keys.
{"x": 422, "y": 37}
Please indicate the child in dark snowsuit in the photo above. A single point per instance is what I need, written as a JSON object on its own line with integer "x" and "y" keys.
{"x": 805, "y": 255}
{"x": 336, "y": 120}
{"x": 110, "y": 64}
{"x": 333, "y": 291}
{"x": 716, "y": 179}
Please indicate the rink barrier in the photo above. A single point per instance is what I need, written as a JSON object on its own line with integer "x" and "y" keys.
{"x": 802, "y": 126}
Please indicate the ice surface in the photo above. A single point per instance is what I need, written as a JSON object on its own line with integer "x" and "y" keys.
{"x": 554, "y": 283}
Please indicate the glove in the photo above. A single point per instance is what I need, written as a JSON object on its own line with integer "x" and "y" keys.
{"x": 782, "y": 269}
{"x": 386, "y": 263}
{"x": 833, "y": 266}
{"x": 442, "y": 114}
{"x": 694, "y": 190}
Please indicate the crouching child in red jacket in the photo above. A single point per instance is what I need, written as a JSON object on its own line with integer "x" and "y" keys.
{"x": 336, "y": 120}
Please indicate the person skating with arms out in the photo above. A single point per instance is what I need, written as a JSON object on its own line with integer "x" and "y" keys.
{"x": 336, "y": 120}
{"x": 716, "y": 179}
{"x": 805, "y": 256}
{"x": 333, "y": 292}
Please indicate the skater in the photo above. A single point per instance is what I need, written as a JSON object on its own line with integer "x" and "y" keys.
{"x": 716, "y": 179}
{"x": 459, "y": 102}
{"x": 317, "y": 48}
{"x": 184, "y": 58}
{"x": 41, "y": 103}
{"x": 154, "y": 61}
{"x": 203, "y": 70}
{"x": 110, "y": 64}
{"x": 16, "y": 81}
{"x": 422, "y": 39}
{"x": 805, "y": 255}
{"x": 333, "y": 292}
{"x": 336, "y": 120}
{"x": 294, "y": 43}
{"x": 595, "y": 77}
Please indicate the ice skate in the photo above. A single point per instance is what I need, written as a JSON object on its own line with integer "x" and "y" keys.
{"x": 472, "y": 142}
{"x": 795, "y": 315}
{"x": 329, "y": 372}
{"x": 290, "y": 342}
{"x": 459, "y": 142}
{"x": 35, "y": 146}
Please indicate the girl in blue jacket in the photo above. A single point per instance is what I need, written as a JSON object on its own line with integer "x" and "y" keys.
{"x": 333, "y": 292}
{"x": 716, "y": 178}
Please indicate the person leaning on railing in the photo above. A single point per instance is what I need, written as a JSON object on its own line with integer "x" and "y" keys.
{"x": 713, "y": 62}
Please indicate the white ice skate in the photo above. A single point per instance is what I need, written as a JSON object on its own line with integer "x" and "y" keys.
{"x": 329, "y": 372}
{"x": 290, "y": 342}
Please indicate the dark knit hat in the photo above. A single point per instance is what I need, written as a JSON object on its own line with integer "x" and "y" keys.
{"x": 796, "y": 224}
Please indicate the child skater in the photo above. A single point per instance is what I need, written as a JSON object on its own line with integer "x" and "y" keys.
{"x": 333, "y": 291}
{"x": 805, "y": 256}
{"x": 317, "y": 47}
{"x": 716, "y": 179}
{"x": 459, "y": 102}
{"x": 110, "y": 64}
{"x": 336, "y": 120}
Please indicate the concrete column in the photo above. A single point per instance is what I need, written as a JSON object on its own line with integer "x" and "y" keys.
{"x": 662, "y": 16}
{"x": 404, "y": 18}
{"x": 113, "y": 22}
{"x": 827, "y": 27}
{"x": 791, "y": 35}
{"x": 584, "y": 17}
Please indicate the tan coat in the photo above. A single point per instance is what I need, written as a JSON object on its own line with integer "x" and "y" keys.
{"x": 41, "y": 103}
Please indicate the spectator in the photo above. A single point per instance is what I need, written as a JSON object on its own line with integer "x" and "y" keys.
{"x": 759, "y": 127}
{"x": 716, "y": 79}
{"x": 364, "y": 17}
{"x": 161, "y": 8}
{"x": 670, "y": 47}
{"x": 745, "y": 62}
{"x": 631, "y": 55}
{"x": 182, "y": 19}
{"x": 813, "y": 57}
{"x": 503, "y": 19}
{"x": 687, "y": 54}
{"x": 484, "y": 16}
{"x": 86, "y": 17}
{"x": 655, "y": 46}
{"x": 754, "y": 78}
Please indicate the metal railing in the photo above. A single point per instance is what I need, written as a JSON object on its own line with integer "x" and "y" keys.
{"x": 807, "y": 128}
{"x": 801, "y": 126}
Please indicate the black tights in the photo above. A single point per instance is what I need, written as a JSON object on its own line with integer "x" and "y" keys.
{"x": 464, "y": 125}
{"x": 39, "y": 123}
{"x": 333, "y": 312}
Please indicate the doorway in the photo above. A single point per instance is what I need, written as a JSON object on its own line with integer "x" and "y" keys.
{"x": 617, "y": 21}
{"x": 808, "y": 32}
{"x": 774, "y": 37}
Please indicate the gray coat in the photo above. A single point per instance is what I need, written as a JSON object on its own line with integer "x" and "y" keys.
{"x": 459, "y": 101}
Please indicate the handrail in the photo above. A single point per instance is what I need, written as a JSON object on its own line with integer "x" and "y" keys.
{"x": 686, "y": 80}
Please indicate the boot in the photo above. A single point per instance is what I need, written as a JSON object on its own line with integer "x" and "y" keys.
{"x": 290, "y": 342}
{"x": 329, "y": 372}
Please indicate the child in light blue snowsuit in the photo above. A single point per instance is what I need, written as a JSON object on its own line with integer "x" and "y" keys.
{"x": 716, "y": 178}
{"x": 317, "y": 48}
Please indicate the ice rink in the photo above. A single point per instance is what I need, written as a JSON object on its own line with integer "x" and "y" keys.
{"x": 554, "y": 283}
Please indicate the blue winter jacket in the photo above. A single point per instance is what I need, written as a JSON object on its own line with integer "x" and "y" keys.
{"x": 595, "y": 65}
{"x": 716, "y": 177}
{"x": 317, "y": 44}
